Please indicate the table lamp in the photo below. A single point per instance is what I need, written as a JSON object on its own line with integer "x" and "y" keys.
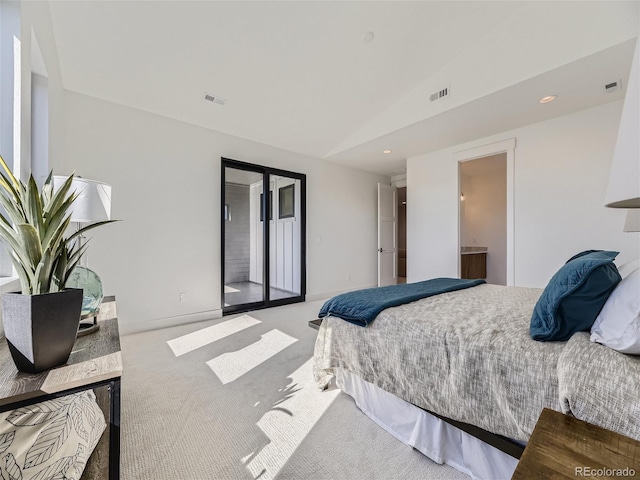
{"x": 623, "y": 190}
{"x": 93, "y": 204}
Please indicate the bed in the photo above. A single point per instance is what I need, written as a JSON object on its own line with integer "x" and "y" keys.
{"x": 468, "y": 356}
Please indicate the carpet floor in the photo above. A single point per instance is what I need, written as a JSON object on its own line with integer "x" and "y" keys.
{"x": 234, "y": 398}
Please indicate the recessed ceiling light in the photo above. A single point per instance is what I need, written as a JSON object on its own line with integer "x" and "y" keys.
{"x": 548, "y": 99}
{"x": 386, "y": 151}
{"x": 368, "y": 37}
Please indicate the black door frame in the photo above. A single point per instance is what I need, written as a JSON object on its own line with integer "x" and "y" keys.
{"x": 266, "y": 207}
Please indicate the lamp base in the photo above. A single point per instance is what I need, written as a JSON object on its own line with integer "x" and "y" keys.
{"x": 85, "y": 328}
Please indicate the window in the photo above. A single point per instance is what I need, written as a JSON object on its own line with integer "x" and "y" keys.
{"x": 286, "y": 201}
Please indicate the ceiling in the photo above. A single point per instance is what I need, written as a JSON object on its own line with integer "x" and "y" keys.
{"x": 299, "y": 75}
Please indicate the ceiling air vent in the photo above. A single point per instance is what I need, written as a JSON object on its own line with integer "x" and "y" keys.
{"x": 214, "y": 98}
{"x": 613, "y": 86}
{"x": 439, "y": 94}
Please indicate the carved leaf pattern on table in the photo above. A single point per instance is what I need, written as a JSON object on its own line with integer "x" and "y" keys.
{"x": 48, "y": 442}
{"x": 12, "y": 468}
{"x": 58, "y": 470}
{"x": 38, "y": 413}
{"x": 6, "y": 439}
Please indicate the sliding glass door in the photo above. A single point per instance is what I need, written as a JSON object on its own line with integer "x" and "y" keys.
{"x": 255, "y": 220}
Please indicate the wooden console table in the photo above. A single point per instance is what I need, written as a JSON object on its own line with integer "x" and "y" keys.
{"x": 95, "y": 363}
{"x": 562, "y": 447}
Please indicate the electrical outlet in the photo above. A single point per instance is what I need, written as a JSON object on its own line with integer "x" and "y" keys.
{"x": 183, "y": 296}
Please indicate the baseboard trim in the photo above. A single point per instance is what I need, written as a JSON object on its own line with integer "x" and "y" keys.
{"x": 158, "y": 323}
{"x": 326, "y": 295}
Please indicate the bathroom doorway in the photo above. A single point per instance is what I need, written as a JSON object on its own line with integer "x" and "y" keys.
{"x": 483, "y": 218}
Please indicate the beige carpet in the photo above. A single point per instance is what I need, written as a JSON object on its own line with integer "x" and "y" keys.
{"x": 233, "y": 398}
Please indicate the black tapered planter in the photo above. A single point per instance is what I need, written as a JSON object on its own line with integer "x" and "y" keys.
{"x": 41, "y": 329}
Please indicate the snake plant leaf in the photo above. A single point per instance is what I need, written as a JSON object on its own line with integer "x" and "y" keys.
{"x": 34, "y": 207}
{"x": 73, "y": 263}
{"x": 76, "y": 252}
{"x": 25, "y": 284}
{"x": 53, "y": 237}
{"x": 9, "y": 173}
{"x": 8, "y": 189}
{"x": 89, "y": 227}
{"x": 28, "y": 272}
{"x": 15, "y": 214}
{"x": 59, "y": 270}
{"x": 32, "y": 245}
{"x": 34, "y": 226}
{"x": 43, "y": 272}
{"x": 60, "y": 196}
{"x": 47, "y": 189}
{"x": 52, "y": 220}
{"x": 11, "y": 237}
{"x": 5, "y": 221}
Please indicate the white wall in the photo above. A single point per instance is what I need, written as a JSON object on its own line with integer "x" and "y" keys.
{"x": 166, "y": 189}
{"x": 484, "y": 219}
{"x": 561, "y": 172}
{"x": 36, "y": 25}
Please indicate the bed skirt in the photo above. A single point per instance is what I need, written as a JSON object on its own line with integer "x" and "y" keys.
{"x": 438, "y": 440}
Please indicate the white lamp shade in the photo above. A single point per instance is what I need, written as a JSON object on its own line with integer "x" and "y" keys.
{"x": 93, "y": 203}
{"x": 632, "y": 223}
{"x": 624, "y": 180}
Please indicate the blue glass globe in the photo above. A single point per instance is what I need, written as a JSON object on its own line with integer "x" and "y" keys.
{"x": 89, "y": 282}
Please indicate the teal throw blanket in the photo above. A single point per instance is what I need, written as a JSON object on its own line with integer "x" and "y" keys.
{"x": 363, "y": 306}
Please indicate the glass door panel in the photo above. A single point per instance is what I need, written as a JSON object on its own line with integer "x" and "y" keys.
{"x": 285, "y": 228}
{"x": 263, "y": 235}
{"x": 243, "y": 237}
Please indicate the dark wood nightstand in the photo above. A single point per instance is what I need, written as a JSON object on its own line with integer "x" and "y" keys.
{"x": 95, "y": 363}
{"x": 564, "y": 447}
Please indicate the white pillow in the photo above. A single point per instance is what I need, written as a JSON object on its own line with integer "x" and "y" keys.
{"x": 618, "y": 324}
{"x": 628, "y": 268}
{"x": 50, "y": 440}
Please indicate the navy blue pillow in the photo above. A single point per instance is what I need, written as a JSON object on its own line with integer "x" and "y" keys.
{"x": 575, "y": 295}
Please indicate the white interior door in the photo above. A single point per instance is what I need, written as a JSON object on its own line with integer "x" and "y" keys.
{"x": 387, "y": 235}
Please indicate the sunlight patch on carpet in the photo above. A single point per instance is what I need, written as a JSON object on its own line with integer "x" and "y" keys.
{"x": 231, "y": 366}
{"x": 200, "y": 338}
{"x": 287, "y": 425}
{"x": 228, "y": 289}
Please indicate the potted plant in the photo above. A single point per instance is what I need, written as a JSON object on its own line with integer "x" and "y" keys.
{"x": 41, "y": 322}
